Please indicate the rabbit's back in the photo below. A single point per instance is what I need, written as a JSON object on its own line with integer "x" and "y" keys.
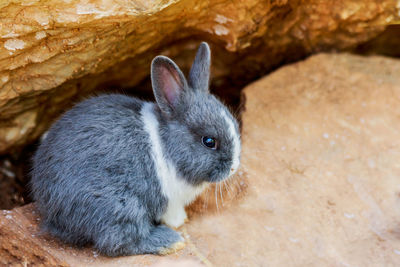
{"x": 94, "y": 168}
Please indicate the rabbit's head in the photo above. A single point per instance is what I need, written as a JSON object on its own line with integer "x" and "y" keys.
{"x": 199, "y": 134}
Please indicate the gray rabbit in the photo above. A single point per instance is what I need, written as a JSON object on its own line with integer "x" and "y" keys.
{"x": 114, "y": 170}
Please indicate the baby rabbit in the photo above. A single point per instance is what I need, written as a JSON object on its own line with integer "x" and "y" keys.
{"x": 114, "y": 170}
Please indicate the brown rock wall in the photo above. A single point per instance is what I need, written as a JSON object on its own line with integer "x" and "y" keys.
{"x": 55, "y": 52}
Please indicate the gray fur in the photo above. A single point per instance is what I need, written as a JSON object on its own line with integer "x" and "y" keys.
{"x": 93, "y": 177}
{"x": 168, "y": 83}
{"x": 199, "y": 75}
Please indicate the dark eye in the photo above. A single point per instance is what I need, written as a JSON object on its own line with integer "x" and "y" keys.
{"x": 209, "y": 142}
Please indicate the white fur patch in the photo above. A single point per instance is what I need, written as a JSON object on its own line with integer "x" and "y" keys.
{"x": 235, "y": 144}
{"x": 178, "y": 192}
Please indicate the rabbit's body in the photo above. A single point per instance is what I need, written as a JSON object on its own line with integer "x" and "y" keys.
{"x": 113, "y": 168}
{"x": 115, "y": 187}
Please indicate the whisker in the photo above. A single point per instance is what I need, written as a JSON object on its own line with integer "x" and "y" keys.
{"x": 228, "y": 188}
{"x": 220, "y": 193}
{"x": 216, "y": 197}
{"x": 237, "y": 185}
{"x": 205, "y": 203}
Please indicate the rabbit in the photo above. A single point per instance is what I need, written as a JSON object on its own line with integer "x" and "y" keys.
{"x": 116, "y": 172}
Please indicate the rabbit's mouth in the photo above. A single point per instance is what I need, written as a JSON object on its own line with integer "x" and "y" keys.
{"x": 219, "y": 178}
{"x": 232, "y": 171}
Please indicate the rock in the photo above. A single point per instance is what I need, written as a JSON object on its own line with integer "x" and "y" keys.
{"x": 386, "y": 43}
{"x": 56, "y": 52}
{"x": 319, "y": 178}
{"x": 21, "y": 242}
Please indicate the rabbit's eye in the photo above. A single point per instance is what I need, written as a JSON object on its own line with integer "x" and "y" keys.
{"x": 209, "y": 142}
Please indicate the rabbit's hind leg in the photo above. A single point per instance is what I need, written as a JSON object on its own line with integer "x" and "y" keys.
{"x": 61, "y": 233}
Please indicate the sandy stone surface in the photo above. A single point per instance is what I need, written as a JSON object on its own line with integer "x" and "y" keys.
{"x": 320, "y": 159}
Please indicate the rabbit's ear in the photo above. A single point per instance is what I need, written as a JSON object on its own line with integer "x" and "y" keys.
{"x": 168, "y": 83}
{"x": 200, "y": 72}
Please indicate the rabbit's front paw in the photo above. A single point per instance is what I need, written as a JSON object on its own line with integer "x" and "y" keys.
{"x": 172, "y": 249}
{"x": 175, "y": 217}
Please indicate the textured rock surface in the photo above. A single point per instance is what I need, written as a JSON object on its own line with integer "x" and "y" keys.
{"x": 55, "y": 52}
{"x": 386, "y": 43}
{"x": 320, "y": 159}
